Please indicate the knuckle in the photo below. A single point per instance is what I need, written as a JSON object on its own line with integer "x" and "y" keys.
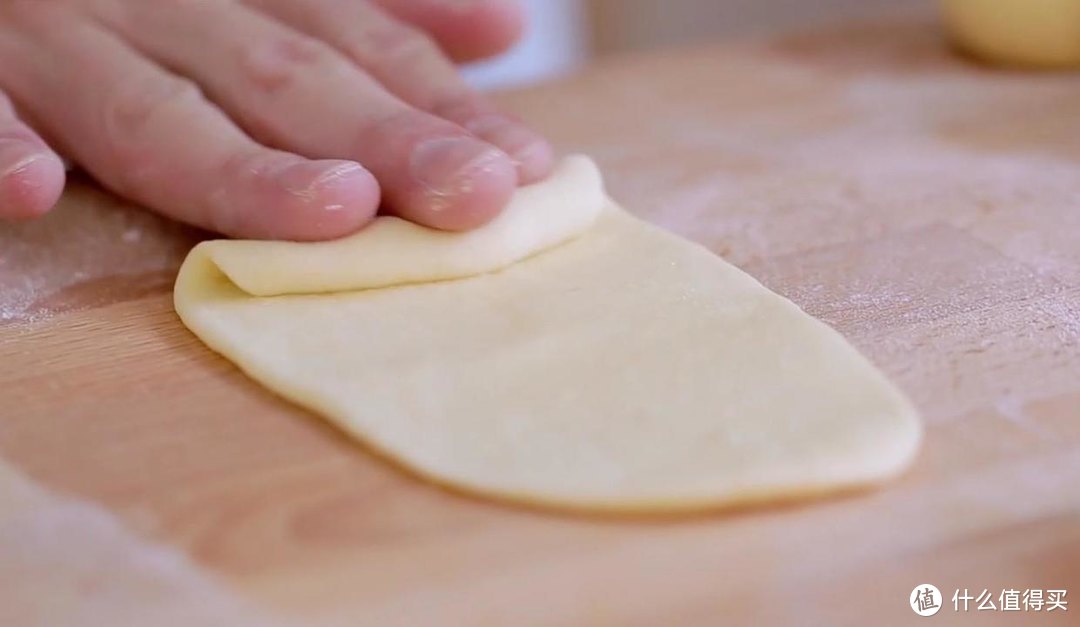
{"x": 284, "y": 61}
{"x": 131, "y": 112}
{"x": 14, "y": 130}
{"x": 137, "y": 103}
{"x": 460, "y": 105}
{"x": 396, "y": 44}
{"x": 394, "y": 128}
{"x": 255, "y": 164}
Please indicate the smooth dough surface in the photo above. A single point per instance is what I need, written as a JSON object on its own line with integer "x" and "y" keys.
{"x": 618, "y": 368}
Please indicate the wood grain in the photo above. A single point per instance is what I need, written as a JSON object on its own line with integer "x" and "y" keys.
{"x": 927, "y": 208}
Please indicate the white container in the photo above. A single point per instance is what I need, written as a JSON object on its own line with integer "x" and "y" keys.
{"x": 555, "y": 41}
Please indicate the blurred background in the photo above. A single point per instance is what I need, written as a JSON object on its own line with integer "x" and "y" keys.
{"x": 564, "y": 33}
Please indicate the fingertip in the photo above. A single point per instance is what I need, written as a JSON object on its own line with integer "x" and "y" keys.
{"x": 535, "y": 162}
{"x": 491, "y": 190}
{"x": 459, "y": 183}
{"x": 31, "y": 187}
{"x": 533, "y": 155}
{"x": 496, "y": 26}
{"x": 319, "y": 200}
{"x": 467, "y": 31}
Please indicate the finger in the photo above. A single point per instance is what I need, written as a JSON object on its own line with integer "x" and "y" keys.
{"x": 467, "y": 30}
{"x": 301, "y": 95}
{"x": 410, "y": 65}
{"x": 152, "y": 137}
{"x": 31, "y": 174}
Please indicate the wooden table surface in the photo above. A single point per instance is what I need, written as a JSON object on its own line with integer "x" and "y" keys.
{"x": 926, "y": 207}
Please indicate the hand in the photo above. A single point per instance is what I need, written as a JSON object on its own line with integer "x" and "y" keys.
{"x": 314, "y": 111}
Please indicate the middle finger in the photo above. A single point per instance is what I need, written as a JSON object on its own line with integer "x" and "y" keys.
{"x": 298, "y": 94}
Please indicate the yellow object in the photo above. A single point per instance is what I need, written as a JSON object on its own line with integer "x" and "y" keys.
{"x": 1034, "y": 33}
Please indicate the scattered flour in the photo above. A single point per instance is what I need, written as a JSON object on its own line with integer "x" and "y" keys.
{"x": 90, "y": 236}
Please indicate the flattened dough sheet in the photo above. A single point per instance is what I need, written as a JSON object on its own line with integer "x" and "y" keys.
{"x": 566, "y": 354}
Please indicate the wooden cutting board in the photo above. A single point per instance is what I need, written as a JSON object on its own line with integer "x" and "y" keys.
{"x": 926, "y": 207}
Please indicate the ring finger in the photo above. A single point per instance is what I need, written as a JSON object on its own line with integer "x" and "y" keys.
{"x": 412, "y": 66}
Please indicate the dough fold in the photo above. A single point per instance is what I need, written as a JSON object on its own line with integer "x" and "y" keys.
{"x": 392, "y": 251}
{"x": 613, "y": 367}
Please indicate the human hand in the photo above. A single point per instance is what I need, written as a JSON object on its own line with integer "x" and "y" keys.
{"x": 314, "y": 111}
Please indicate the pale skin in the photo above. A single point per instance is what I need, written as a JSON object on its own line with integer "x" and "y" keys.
{"x": 269, "y": 119}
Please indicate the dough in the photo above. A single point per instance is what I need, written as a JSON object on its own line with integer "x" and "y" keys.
{"x": 618, "y": 367}
{"x": 392, "y": 251}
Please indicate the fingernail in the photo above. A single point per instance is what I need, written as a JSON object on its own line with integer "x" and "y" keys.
{"x": 308, "y": 179}
{"x": 22, "y": 165}
{"x": 525, "y": 148}
{"x": 446, "y": 166}
{"x": 529, "y": 150}
{"x": 30, "y": 185}
{"x": 19, "y": 154}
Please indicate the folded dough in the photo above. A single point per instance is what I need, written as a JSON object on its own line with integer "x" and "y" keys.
{"x": 392, "y": 251}
{"x": 565, "y": 354}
